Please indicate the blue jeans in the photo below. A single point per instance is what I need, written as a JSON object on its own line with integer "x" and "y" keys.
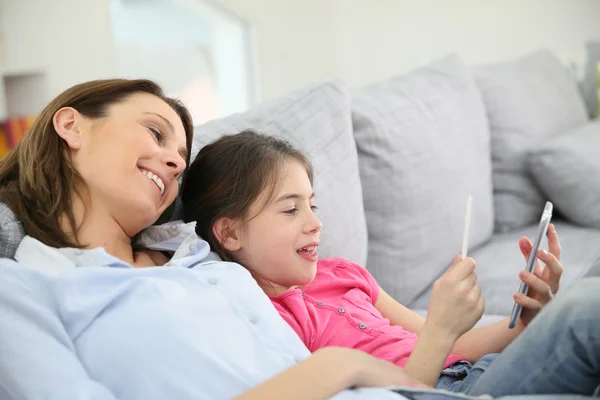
{"x": 558, "y": 353}
{"x": 461, "y": 376}
{"x": 556, "y": 357}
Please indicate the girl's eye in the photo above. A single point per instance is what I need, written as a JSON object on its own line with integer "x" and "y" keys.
{"x": 291, "y": 211}
{"x": 314, "y": 208}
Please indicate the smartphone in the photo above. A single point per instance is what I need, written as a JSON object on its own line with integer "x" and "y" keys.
{"x": 537, "y": 242}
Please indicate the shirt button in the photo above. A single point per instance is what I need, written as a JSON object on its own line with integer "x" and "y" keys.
{"x": 362, "y": 326}
{"x": 319, "y": 304}
{"x": 213, "y": 281}
{"x": 341, "y": 310}
{"x": 254, "y": 320}
{"x": 174, "y": 228}
{"x": 193, "y": 247}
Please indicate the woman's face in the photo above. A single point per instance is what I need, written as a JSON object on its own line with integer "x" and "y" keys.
{"x": 131, "y": 159}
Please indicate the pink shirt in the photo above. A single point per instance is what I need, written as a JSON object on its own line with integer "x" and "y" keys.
{"x": 338, "y": 309}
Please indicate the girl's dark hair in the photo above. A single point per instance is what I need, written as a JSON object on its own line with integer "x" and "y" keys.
{"x": 229, "y": 175}
{"x": 37, "y": 179}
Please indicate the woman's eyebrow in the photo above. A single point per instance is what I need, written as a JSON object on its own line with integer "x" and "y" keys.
{"x": 166, "y": 121}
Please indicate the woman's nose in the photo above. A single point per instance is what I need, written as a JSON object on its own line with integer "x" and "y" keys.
{"x": 176, "y": 163}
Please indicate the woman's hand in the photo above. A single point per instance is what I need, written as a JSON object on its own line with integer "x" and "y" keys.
{"x": 544, "y": 282}
{"x": 369, "y": 371}
{"x": 329, "y": 371}
{"x": 456, "y": 303}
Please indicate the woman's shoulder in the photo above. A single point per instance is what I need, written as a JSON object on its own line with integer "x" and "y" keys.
{"x": 11, "y": 232}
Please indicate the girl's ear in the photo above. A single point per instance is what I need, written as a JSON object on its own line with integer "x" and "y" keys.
{"x": 227, "y": 232}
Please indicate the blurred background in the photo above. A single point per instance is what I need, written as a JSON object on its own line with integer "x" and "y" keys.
{"x": 223, "y": 56}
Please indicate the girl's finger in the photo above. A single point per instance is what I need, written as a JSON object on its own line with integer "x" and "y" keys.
{"x": 553, "y": 243}
{"x": 554, "y": 266}
{"x": 527, "y": 302}
{"x": 526, "y": 247}
{"x": 537, "y": 285}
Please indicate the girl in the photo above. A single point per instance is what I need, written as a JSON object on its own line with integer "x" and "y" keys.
{"x": 253, "y": 201}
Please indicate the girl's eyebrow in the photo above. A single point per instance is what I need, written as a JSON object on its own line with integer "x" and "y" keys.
{"x": 293, "y": 196}
{"x": 182, "y": 150}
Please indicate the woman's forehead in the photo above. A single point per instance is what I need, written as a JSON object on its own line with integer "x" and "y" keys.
{"x": 140, "y": 104}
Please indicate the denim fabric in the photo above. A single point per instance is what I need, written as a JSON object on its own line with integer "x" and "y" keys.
{"x": 558, "y": 353}
{"x": 461, "y": 376}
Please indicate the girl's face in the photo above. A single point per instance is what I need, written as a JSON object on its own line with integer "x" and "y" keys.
{"x": 130, "y": 160}
{"x": 279, "y": 245}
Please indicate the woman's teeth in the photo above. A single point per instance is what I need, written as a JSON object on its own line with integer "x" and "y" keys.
{"x": 155, "y": 179}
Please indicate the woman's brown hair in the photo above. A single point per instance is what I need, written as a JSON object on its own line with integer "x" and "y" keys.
{"x": 229, "y": 175}
{"x": 37, "y": 179}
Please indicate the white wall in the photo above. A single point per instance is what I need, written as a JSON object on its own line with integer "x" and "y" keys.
{"x": 294, "y": 41}
{"x": 70, "y": 40}
{"x": 383, "y": 37}
{"x": 299, "y": 42}
{"x": 362, "y": 41}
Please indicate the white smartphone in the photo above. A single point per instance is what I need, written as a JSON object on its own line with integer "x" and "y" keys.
{"x": 537, "y": 242}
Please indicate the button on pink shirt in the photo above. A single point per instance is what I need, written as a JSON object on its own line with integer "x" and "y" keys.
{"x": 338, "y": 309}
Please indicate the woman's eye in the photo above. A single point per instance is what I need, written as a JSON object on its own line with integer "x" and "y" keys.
{"x": 291, "y": 211}
{"x": 314, "y": 208}
{"x": 157, "y": 134}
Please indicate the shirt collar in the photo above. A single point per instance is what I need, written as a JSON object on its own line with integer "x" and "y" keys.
{"x": 177, "y": 237}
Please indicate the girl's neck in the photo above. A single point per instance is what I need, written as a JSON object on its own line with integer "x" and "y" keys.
{"x": 270, "y": 288}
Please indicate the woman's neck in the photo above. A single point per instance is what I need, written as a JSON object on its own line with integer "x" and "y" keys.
{"x": 96, "y": 228}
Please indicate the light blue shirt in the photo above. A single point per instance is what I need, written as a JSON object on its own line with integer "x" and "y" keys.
{"x": 82, "y": 324}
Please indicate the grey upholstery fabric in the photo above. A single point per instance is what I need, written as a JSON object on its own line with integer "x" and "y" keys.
{"x": 424, "y": 146}
{"x": 594, "y": 269}
{"x": 499, "y": 263}
{"x": 317, "y": 121}
{"x": 11, "y": 232}
{"x": 567, "y": 169}
{"x": 527, "y": 100}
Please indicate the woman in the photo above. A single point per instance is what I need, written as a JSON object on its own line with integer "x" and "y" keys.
{"x": 87, "y": 312}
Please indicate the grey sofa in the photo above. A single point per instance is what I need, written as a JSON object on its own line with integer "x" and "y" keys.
{"x": 395, "y": 162}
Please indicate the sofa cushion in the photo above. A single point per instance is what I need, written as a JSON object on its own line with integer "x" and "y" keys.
{"x": 11, "y": 232}
{"x": 567, "y": 169}
{"x": 424, "y": 146}
{"x": 527, "y": 100}
{"x": 499, "y": 263}
{"x": 317, "y": 121}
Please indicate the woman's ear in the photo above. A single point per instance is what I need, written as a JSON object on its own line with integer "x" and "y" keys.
{"x": 227, "y": 232}
{"x": 66, "y": 123}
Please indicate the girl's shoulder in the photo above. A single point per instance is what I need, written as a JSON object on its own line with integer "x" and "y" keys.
{"x": 337, "y": 275}
{"x": 334, "y": 263}
{"x": 340, "y": 268}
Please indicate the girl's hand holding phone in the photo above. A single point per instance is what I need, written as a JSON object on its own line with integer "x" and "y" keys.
{"x": 544, "y": 282}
